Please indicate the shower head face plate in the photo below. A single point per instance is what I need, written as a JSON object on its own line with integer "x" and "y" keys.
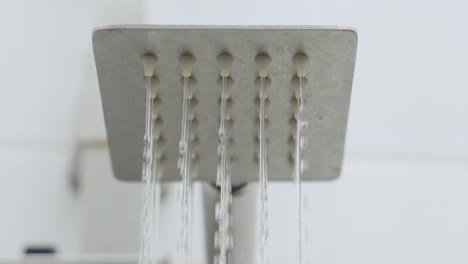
{"x": 331, "y": 50}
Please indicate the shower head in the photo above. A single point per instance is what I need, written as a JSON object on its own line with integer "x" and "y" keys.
{"x": 328, "y": 72}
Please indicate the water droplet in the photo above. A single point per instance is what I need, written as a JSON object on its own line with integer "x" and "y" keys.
{"x": 182, "y": 147}
{"x": 221, "y": 133}
{"x": 218, "y": 212}
{"x": 301, "y": 108}
{"x": 220, "y": 149}
{"x": 219, "y": 177}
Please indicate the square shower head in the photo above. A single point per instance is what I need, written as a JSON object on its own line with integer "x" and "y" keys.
{"x": 329, "y": 73}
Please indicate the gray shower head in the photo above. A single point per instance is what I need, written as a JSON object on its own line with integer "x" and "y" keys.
{"x": 118, "y": 51}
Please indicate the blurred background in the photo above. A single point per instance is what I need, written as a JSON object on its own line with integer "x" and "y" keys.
{"x": 402, "y": 196}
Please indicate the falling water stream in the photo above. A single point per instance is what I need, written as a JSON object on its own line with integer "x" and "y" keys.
{"x": 223, "y": 181}
{"x": 223, "y": 238}
{"x": 151, "y": 190}
{"x": 184, "y": 165}
{"x": 263, "y": 178}
{"x": 300, "y": 167}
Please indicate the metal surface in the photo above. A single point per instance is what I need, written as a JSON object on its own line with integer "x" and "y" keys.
{"x": 332, "y": 51}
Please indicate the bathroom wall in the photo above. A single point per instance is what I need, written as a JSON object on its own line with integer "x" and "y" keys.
{"x": 409, "y": 88}
{"x": 41, "y": 65}
{"x": 49, "y": 103}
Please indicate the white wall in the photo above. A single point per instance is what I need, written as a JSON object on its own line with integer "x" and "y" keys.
{"x": 110, "y": 209}
{"x": 41, "y": 65}
{"x": 49, "y": 99}
{"x": 380, "y": 211}
{"x": 409, "y": 94}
